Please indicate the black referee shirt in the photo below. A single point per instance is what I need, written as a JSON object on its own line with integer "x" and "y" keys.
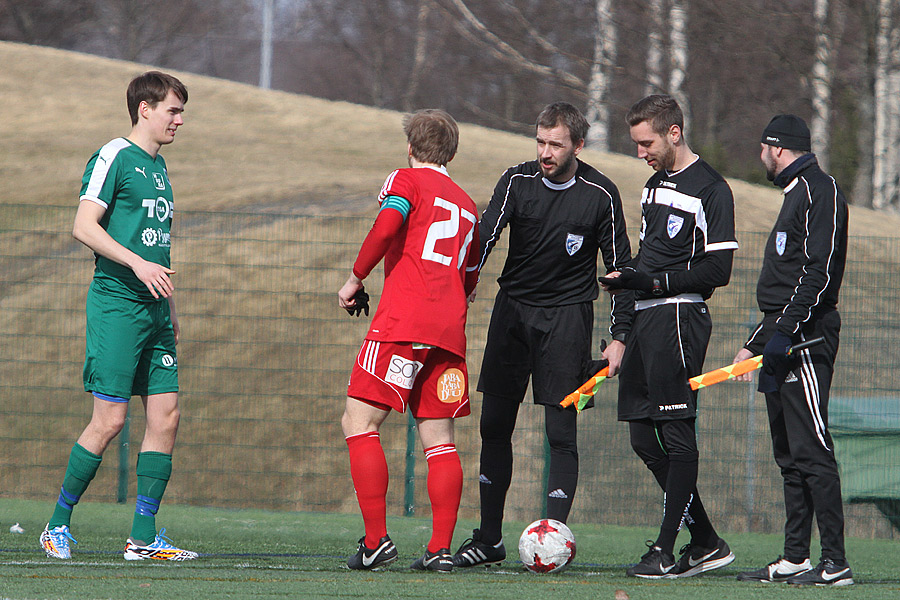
{"x": 556, "y": 231}
{"x": 687, "y": 229}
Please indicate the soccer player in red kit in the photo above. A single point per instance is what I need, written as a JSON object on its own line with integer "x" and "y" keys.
{"x": 414, "y": 352}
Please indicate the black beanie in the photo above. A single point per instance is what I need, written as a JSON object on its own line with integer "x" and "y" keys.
{"x": 787, "y": 131}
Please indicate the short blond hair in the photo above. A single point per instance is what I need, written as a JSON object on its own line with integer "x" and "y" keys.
{"x": 432, "y": 134}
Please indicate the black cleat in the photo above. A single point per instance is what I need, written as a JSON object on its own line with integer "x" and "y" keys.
{"x": 474, "y": 552}
{"x": 367, "y": 558}
{"x": 434, "y": 561}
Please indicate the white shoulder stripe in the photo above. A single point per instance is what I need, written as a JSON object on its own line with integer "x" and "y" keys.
{"x": 721, "y": 246}
{"x": 101, "y": 168}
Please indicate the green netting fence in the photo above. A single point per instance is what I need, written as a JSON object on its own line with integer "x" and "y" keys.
{"x": 266, "y": 352}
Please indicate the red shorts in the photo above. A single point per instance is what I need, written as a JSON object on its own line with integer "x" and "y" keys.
{"x": 432, "y": 381}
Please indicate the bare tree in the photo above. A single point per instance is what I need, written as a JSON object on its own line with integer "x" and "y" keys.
{"x": 678, "y": 23}
{"x": 887, "y": 76}
{"x": 419, "y": 54}
{"x": 821, "y": 84}
{"x": 657, "y": 20}
{"x": 598, "y": 90}
{"x": 50, "y": 22}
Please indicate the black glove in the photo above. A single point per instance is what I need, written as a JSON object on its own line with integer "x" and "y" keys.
{"x": 776, "y": 363}
{"x": 593, "y": 366}
{"x": 629, "y": 279}
{"x": 362, "y": 303}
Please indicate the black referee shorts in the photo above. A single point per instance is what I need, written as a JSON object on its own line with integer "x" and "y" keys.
{"x": 551, "y": 344}
{"x": 666, "y": 347}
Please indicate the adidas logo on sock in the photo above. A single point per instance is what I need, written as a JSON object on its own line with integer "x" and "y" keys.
{"x": 557, "y": 493}
{"x": 483, "y": 479}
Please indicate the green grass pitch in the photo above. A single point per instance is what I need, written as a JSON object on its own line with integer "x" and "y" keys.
{"x": 260, "y": 554}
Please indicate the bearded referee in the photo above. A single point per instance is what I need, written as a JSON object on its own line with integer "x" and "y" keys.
{"x": 561, "y": 212}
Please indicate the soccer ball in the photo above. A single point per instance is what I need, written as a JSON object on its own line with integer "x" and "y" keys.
{"x": 547, "y": 546}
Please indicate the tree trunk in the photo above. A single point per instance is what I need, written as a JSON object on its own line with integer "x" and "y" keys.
{"x": 821, "y": 85}
{"x": 655, "y": 83}
{"x": 597, "y": 113}
{"x": 882, "y": 169}
{"x": 419, "y": 55}
{"x": 678, "y": 23}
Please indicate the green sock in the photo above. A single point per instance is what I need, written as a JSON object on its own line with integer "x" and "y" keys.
{"x": 82, "y": 467}
{"x": 153, "y": 472}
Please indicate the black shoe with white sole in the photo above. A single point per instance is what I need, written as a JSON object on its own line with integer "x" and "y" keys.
{"x": 655, "y": 564}
{"x": 780, "y": 569}
{"x": 826, "y": 573}
{"x": 697, "y": 559}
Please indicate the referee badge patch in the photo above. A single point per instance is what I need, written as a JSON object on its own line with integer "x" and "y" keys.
{"x": 673, "y": 226}
{"x": 573, "y": 243}
{"x": 780, "y": 242}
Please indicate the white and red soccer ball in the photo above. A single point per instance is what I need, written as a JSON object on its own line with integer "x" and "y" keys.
{"x": 547, "y": 546}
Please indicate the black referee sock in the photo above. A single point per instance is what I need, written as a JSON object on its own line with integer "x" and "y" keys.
{"x": 561, "y": 486}
{"x": 498, "y": 420}
{"x": 562, "y": 478}
{"x": 493, "y": 483}
{"x": 681, "y": 482}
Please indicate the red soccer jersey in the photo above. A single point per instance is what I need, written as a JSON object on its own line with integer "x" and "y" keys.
{"x": 425, "y": 267}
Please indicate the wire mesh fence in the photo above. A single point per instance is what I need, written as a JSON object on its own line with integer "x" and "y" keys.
{"x": 265, "y": 356}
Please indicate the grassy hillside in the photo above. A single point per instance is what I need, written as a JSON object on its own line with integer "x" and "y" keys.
{"x": 243, "y": 146}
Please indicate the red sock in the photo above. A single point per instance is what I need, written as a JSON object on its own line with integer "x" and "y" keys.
{"x": 369, "y": 471}
{"x": 445, "y": 479}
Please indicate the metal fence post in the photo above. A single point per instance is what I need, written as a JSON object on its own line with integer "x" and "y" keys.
{"x": 122, "y": 494}
{"x": 751, "y": 440}
{"x": 409, "y": 493}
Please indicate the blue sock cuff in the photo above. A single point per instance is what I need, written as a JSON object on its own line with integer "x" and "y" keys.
{"x": 146, "y": 506}
{"x": 67, "y": 500}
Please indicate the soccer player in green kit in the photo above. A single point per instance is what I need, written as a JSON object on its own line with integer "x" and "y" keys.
{"x": 124, "y": 216}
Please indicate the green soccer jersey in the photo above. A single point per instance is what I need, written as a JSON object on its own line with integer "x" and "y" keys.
{"x": 135, "y": 190}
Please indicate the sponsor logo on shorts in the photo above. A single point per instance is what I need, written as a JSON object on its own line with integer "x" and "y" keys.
{"x": 451, "y": 386}
{"x": 668, "y": 407}
{"x": 168, "y": 360}
{"x": 402, "y": 371}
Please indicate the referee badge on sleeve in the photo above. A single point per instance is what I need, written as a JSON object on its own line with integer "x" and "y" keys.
{"x": 780, "y": 242}
{"x": 573, "y": 243}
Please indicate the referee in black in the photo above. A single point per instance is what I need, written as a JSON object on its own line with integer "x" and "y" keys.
{"x": 687, "y": 243}
{"x": 560, "y": 212}
{"x": 803, "y": 265}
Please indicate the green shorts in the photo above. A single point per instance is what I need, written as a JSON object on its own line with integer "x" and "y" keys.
{"x": 129, "y": 347}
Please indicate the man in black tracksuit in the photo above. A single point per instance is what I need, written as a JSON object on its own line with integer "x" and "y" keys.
{"x": 803, "y": 265}
{"x": 560, "y": 212}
